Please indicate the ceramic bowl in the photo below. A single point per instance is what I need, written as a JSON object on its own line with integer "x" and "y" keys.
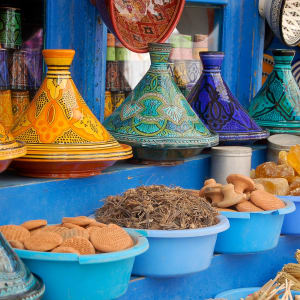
{"x": 137, "y": 23}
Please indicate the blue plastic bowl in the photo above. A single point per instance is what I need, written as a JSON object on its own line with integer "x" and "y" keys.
{"x": 85, "y": 277}
{"x": 252, "y": 232}
{"x": 291, "y": 223}
{"x": 175, "y": 253}
{"x": 237, "y": 294}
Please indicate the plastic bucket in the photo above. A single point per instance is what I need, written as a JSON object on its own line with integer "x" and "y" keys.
{"x": 85, "y": 277}
{"x": 174, "y": 253}
{"x": 252, "y": 232}
{"x": 237, "y": 294}
{"x": 291, "y": 223}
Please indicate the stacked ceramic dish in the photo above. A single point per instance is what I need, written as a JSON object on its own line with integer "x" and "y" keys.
{"x": 9, "y": 149}
{"x": 63, "y": 137}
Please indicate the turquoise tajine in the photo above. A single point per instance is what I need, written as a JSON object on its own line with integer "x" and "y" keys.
{"x": 277, "y": 104}
{"x": 156, "y": 120}
{"x": 16, "y": 281}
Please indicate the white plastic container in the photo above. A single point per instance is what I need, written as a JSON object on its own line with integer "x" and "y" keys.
{"x": 226, "y": 160}
{"x": 280, "y": 142}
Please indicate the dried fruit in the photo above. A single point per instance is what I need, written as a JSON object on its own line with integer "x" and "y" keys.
{"x": 272, "y": 170}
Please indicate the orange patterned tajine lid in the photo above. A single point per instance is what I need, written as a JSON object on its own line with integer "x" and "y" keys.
{"x": 59, "y": 126}
{"x": 9, "y": 148}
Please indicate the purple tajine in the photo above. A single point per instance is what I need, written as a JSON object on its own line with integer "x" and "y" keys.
{"x": 218, "y": 109}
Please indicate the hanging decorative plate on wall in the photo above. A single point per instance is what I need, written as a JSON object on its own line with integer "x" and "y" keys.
{"x": 137, "y": 23}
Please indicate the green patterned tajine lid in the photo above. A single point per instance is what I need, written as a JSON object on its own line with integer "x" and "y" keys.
{"x": 156, "y": 114}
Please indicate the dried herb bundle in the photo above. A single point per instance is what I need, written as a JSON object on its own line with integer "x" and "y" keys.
{"x": 157, "y": 207}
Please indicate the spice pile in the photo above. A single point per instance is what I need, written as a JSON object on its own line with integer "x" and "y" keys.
{"x": 157, "y": 207}
{"x": 79, "y": 235}
{"x": 282, "y": 178}
{"x": 240, "y": 194}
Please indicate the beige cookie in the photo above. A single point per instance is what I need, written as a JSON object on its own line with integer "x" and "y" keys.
{"x": 15, "y": 232}
{"x": 75, "y": 232}
{"x": 43, "y": 241}
{"x": 16, "y": 244}
{"x": 247, "y": 206}
{"x": 61, "y": 249}
{"x": 266, "y": 201}
{"x": 111, "y": 238}
{"x": 81, "y": 220}
{"x": 81, "y": 244}
{"x": 33, "y": 224}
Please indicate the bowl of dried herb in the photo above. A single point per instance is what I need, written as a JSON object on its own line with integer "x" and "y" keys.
{"x": 181, "y": 228}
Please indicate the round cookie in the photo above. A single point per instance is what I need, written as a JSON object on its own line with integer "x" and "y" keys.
{"x": 266, "y": 201}
{"x": 97, "y": 224}
{"x": 75, "y": 232}
{"x": 71, "y": 226}
{"x": 247, "y": 206}
{"x": 81, "y": 220}
{"x": 15, "y": 232}
{"x": 34, "y": 224}
{"x": 16, "y": 244}
{"x": 43, "y": 241}
{"x": 81, "y": 244}
{"x": 111, "y": 238}
{"x": 61, "y": 249}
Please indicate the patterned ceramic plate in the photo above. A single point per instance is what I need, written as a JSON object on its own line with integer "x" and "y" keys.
{"x": 137, "y": 23}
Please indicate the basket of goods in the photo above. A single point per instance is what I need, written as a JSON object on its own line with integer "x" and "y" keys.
{"x": 255, "y": 215}
{"x": 283, "y": 179}
{"x": 181, "y": 228}
{"x": 285, "y": 286}
{"x": 78, "y": 259}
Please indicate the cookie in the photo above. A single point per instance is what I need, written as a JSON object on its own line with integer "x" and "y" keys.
{"x": 75, "y": 232}
{"x": 15, "y": 232}
{"x": 111, "y": 238}
{"x": 92, "y": 228}
{"x": 16, "y": 244}
{"x": 61, "y": 249}
{"x": 225, "y": 209}
{"x": 71, "y": 226}
{"x": 247, "y": 206}
{"x": 54, "y": 228}
{"x": 43, "y": 241}
{"x": 98, "y": 224}
{"x": 33, "y": 224}
{"x": 81, "y": 220}
{"x": 266, "y": 201}
{"x": 81, "y": 244}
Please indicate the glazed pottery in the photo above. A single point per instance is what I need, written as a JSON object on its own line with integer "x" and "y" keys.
{"x": 18, "y": 72}
{"x": 10, "y": 28}
{"x": 16, "y": 281}
{"x": 117, "y": 99}
{"x": 219, "y": 110}
{"x": 138, "y": 23}
{"x": 283, "y": 17}
{"x": 276, "y": 106}
{"x": 34, "y": 68}
{"x": 4, "y": 77}
{"x": 296, "y": 71}
{"x": 6, "y": 114}
{"x": 156, "y": 118}
{"x": 9, "y": 149}
{"x": 112, "y": 82}
{"x": 63, "y": 137}
{"x": 108, "y": 108}
{"x": 268, "y": 66}
{"x": 20, "y": 102}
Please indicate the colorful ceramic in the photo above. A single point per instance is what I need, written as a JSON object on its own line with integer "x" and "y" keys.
{"x": 276, "y": 106}
{"x": 16, "y": 281}
{"x": 180, "y": 74}
{"x": 219, "y": 110}
{"x": 6, "y": 114}
{"x": 283, "y": 17}
{"x": 108, "y": 108}
{"x": 138, "y": 23}
{"x": 10, "y": 28}
{"x": 117, "y": 99}
{"x": 9, "y": 149}
{"x": 18, "y": 72}
{"x": 112, "y": 82}
{"x": 34, "y": 66}
{"x": 20, "y": 102}
{"x": 111, "y": 40}
{"x": 156, "y": 118}
{"x": 296, "y": 71}
{"x": 268, "y": 66}
{"x": 4, "y": 77}
{"x": 63, "y": 137}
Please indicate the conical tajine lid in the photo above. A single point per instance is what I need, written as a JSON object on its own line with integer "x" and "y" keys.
{"x": 16, "y": 281}
{"x": 58, "y": 124}
{"x": 9, "y": 148}
{"x": 216, "y": 106}
{"x": 156, "y": 114}
{"x": 277, "y": 104}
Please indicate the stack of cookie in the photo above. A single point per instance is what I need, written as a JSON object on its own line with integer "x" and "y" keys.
{"x": 79, "y": 235}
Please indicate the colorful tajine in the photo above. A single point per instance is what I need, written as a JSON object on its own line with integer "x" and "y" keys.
{"x": 64, "y": 138}
{"x": 9, "y": 149}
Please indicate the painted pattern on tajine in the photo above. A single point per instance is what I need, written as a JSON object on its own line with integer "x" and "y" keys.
{"x": 20, "y": 102}
{"x": 156, "y": 109}
{"x": 59, "y": 115}
{"x": 216, "y": 106}
{"x": 6, "y": 115}
{"x": 279, "y": 98}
